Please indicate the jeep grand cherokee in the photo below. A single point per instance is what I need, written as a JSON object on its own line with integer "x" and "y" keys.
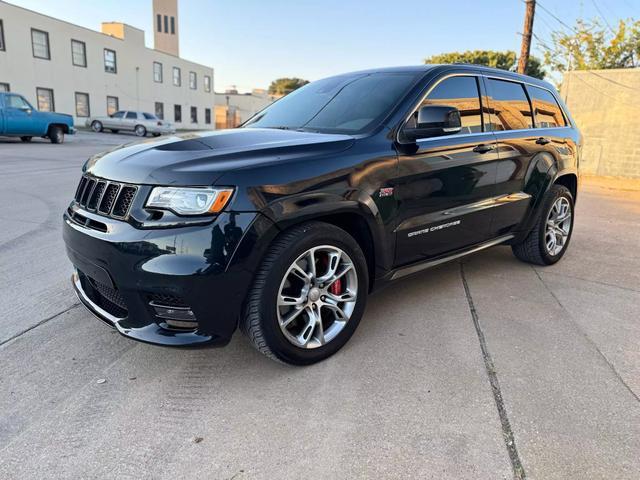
{"x": 283, "y": 226}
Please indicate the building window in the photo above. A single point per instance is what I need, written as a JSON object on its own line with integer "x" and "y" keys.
{"x": 194, "y": 114}
{"x": 207, "y": 116}
{"x": 82, "y": 104}
{"x": 207, "y": 83}
{"x": 193, "y": 81}
{"x": 110, "y": 64}
{"x": 177, "y": 77}
{"x": 40, "y": 44}
{"x": 112, "y": 105}
{"x": 160, "y": 110}
{"x": 159, "y": 21}
{"x": 45, "y": 100}
{"x": 2, "y": 45}
{"x": 78, "y": 53}
{"x": 4, "y": 87}
{"x": 157, "y": 72}
{"x": 177, "y": 113}
{"x": 173, "y": 25}
{"x": 166, "y": 24}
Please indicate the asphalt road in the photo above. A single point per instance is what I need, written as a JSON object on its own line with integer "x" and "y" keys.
{"x": 489, "y": 369}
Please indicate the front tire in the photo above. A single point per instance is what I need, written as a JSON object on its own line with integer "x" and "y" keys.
{"x": 97, "y": 126}
{"x": 548, "y": 240}
{"x": 308, "y": 295}
{"x": 56, "y": 134}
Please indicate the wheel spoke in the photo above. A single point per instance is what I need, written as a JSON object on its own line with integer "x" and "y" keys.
{"x": 295, "y": 313}
{"x": 300, "y": 273}
{"x": 313, "y": 325}
{"x": 311, "y": 263}
{"x": 332, "y": 267}
{"x": 285, "y": 300}
{"x": 345, "y": 297}
{"x": 337, "y": 311}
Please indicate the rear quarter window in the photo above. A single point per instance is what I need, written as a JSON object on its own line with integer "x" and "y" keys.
{"x": 547, "y": 113}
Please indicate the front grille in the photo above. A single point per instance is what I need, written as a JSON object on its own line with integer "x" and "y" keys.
{"x": 112, "y": 199}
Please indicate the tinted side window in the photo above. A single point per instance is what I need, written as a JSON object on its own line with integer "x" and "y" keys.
{"x": 118, "y": 114}
{"x": 133, "y": 115}
{"x": 509, "y": 106}
{"x": 461, "y": 93}
{"x": 545, "y": 108}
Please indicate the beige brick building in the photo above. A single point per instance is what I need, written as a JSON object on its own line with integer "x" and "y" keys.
{"x": 606, "y": 104}
{"x": 62, "y": 67}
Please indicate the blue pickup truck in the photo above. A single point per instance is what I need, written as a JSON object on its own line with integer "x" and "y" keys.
{"x": 19, "y": 119}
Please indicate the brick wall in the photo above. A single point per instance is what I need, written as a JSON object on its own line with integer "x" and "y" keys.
{"x": 606, "y": 106}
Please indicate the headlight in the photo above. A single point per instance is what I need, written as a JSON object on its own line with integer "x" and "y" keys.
{"x": 189, "y": 201}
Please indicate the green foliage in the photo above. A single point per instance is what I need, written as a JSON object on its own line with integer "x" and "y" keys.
{"x": 506, "y": 60}
{"x": 283, "y": 86}
{"x": 591, "y": 47}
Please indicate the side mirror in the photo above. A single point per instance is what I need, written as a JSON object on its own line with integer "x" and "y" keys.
{"x": 434, "y": 121}
{"x": 26, "y": 109}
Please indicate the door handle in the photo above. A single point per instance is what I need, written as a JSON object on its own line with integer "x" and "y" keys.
{"x": 482, "y": 148}
{"x": 543, "y": 141}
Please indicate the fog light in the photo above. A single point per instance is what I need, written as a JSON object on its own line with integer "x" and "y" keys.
{"x": 174, "y": 313}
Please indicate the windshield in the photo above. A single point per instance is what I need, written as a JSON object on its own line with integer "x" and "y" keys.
{"x": 344, "y": 104}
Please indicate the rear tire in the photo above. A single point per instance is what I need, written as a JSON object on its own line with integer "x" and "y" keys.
{"x": 56, "y": 134}
{"x": 26, "y": 139}
{"x": 549, "y": 238}
{"x": 326, "y": 306}
{"x": 96, "y": 126}
{"x": 140, "y": 131}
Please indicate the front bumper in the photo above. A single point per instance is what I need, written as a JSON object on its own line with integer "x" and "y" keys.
{"x": 120, "y": 274}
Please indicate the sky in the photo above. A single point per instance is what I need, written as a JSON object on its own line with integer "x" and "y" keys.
{"x": 249, "y": 43}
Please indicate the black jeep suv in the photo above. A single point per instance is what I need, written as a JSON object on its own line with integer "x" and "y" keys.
{"x": 283, "y": 226}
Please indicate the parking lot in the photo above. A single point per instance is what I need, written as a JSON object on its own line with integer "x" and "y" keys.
{"x": 485, "y": 369}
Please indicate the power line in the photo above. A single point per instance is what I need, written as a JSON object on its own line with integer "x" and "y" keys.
{"x": 552, "y": 15}
{"x": 595, "y": 4}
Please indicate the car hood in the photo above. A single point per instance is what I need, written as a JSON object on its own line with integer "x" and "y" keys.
{"x": 201, "y": 158}
{"x": 59, "y": 117}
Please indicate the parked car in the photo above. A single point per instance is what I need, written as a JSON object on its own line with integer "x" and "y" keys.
{"x": 18, "y": 118}
{"x": 139, "y": 123}
{"x": 283, "y": 226}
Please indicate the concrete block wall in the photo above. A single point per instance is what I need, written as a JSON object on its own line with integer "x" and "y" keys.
{"x": 605, "y": 104}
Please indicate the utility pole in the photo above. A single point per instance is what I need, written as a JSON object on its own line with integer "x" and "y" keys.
{"x": 526, "y": 35}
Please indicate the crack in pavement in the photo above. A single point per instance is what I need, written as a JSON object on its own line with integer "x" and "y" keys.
{"x": 507, "y": 432}
{"x": 593, "y": 344}
{"x": 40, "y": 323}
{"x": 588, "y": 280}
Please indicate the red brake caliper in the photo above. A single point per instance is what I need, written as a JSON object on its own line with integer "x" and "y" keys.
{"x": 336, "y": 287}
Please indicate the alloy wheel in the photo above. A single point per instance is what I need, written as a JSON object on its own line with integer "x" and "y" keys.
{"x": 317, "y": 296}
{"x": 558, "y": 226}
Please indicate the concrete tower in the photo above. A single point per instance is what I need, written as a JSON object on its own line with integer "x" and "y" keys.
{"x": 165, "y": 26}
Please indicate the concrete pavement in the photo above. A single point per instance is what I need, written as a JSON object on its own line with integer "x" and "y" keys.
{"x": 553, "y": 386}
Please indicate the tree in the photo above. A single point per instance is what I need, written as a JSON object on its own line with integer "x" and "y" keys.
{"x": 591, "y": 47}
{"x": 284, "y": 86}
{"x": 506, "y": 60}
